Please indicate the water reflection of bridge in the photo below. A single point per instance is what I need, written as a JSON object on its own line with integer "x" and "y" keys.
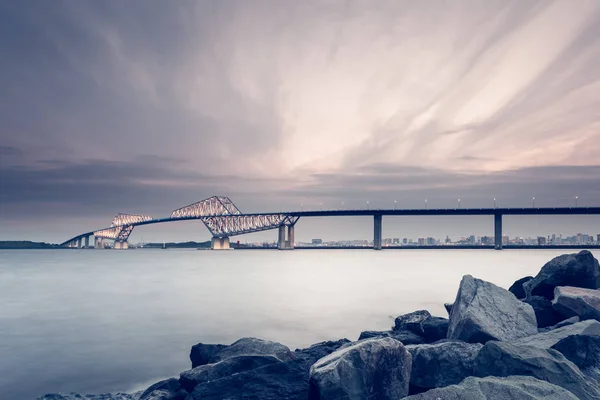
{"x": 224, "y": 220}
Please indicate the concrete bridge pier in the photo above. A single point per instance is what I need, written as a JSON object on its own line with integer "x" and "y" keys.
{"x": 284, "y": 243}
{"x": 377, "y": 218}
{"x": 87, "y": 242}
{"x": 99, "y": 243}
{"x": 218, "y": 243}
{"x": 78, "y": 244}
{"x": 498, "y": 231}
{"x": 121, "y": 245}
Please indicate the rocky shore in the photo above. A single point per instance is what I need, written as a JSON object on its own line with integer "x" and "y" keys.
{"x": 538, "y": 340}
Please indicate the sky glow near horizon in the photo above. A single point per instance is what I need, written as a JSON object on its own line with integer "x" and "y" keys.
{"x": 146, "y": 106}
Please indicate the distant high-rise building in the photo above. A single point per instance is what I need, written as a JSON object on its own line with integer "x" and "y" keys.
{"x": 431, "y": 241}
{"x": 472, "y": 239}
{"x": 598, "y": 238}
{"x": 553, "y": 238}
{"x": 404, "y": 241}
{"x": 505, "y": 239}
{"x": 421, "y": 241}
{"x": 487, "y": 240}
{"x": 387, "y": 241}
{"x": 447, "y": 241}
{"x": 396, "y": 241}
{"x": 317, "y": 242}
{"x": 541, "y": 241}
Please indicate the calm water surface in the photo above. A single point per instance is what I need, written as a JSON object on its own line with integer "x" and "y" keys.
{"x": 106, "y": 321}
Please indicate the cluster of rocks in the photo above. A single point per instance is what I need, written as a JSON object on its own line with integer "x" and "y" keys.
{"x": 538, "y": 340}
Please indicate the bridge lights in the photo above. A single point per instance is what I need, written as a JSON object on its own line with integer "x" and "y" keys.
{"x": 576, "y": 198}
{"x": 395, "y": 205}
{"x": 426, "y": 204}
{"x": 533, "y": 202}
{"x": 494, "y": 202}
{"x": 458, "y": 203}
{"x": 367, "y": 204}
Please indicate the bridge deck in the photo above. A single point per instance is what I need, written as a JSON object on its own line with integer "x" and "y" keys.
{"x": 387, "y": 212}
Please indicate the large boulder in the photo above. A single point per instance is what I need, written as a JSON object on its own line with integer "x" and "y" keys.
{"x": 376, "y": 369}
{"x": 583, "y": 351}
{"x": 548, "y": 339}
{"x": 169, "y": 389}
{"x": 442, "y": 364}
{"x": 506, "y": 359}
{"x": 210, "y": 372}
{"x": 76, "y": 396}
{"x": 495, "y": 388}
{"x": 406, "y": 337}
{"x": 545, "y": 314}
{"x": 579, "y": 270}
{"x": 281, "y": 380}
{"x": 204, "y": 353}
{"x": 517, "y": 288}
{"x": 422, "y": 323}
{"x": 312, "y": 354}
{"x": 211, "y": 353}
{"x": 483, "y": 311}
{"x": 411, "y": 321}
{"x": 573, "y": 301}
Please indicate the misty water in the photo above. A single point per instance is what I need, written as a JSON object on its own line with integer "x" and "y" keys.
{"x": 105, "y": 321}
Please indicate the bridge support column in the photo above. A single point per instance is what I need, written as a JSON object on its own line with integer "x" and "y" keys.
{"x": 282, "y": 242}
{"x": 498, "y": 231}
{"x": 290, "y": 242}
{"x": 87, "y": 242}
{"x": 78, "y": 244}
{"x": 377, "y": 231}
{"x": 121, "y": 245}
{"x": 218, "y": 243}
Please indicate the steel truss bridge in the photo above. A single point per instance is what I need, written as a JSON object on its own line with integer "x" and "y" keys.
{"x": 223, "y": 219}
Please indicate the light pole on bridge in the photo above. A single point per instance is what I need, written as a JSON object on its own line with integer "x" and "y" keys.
{"x": 576, "y": 198}
{"x": 426, "y": 204}
{"x": 533, "y": 202}
{"x": 367, "y": 204}
{"x": 458, "y": 203}
{"x": 494, "y": 203}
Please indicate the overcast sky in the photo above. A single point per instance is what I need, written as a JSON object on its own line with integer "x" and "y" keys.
{"x": 146, "y": 106}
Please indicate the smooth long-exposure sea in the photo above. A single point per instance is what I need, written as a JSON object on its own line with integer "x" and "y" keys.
{"x": 106, "y": 321}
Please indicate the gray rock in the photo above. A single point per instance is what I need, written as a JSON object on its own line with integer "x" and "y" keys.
{"x": 483, "y": 311}
{"x": 375, "y": 369}
{"x": 448, "y": 307}
{"x": 495, "y": 388}
{"x": 573, "y": 301}
{"x": 579, "y": 270}
{"x": 422, "y": 323}
{"x": 211, "y": 353}
{"x": 545, "y": 314}
{"x": 517, "y": 287}
{"x": 169, "y": 389}
{"x": 287, "y": 380}
{"x": 312, "y": 354}
{"x": 210, "y": 372}
{"x": 204, "y": 353}
{"x": 406, "y": 337}
{"x": 583, "y": 351}
{"x": 435, "y": 328}
{"x": 443, "y": 364}
{"x": 506, "y": 359}
{"x": 548, "y": 339}
{"x": 283, "y": 380}
{"x": 568, "y": 321}
{"x": 77, "y": 396}
{"x": 412, "y": 321}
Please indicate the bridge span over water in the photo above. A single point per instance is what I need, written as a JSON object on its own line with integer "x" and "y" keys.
{"x": 223, "y": 219}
